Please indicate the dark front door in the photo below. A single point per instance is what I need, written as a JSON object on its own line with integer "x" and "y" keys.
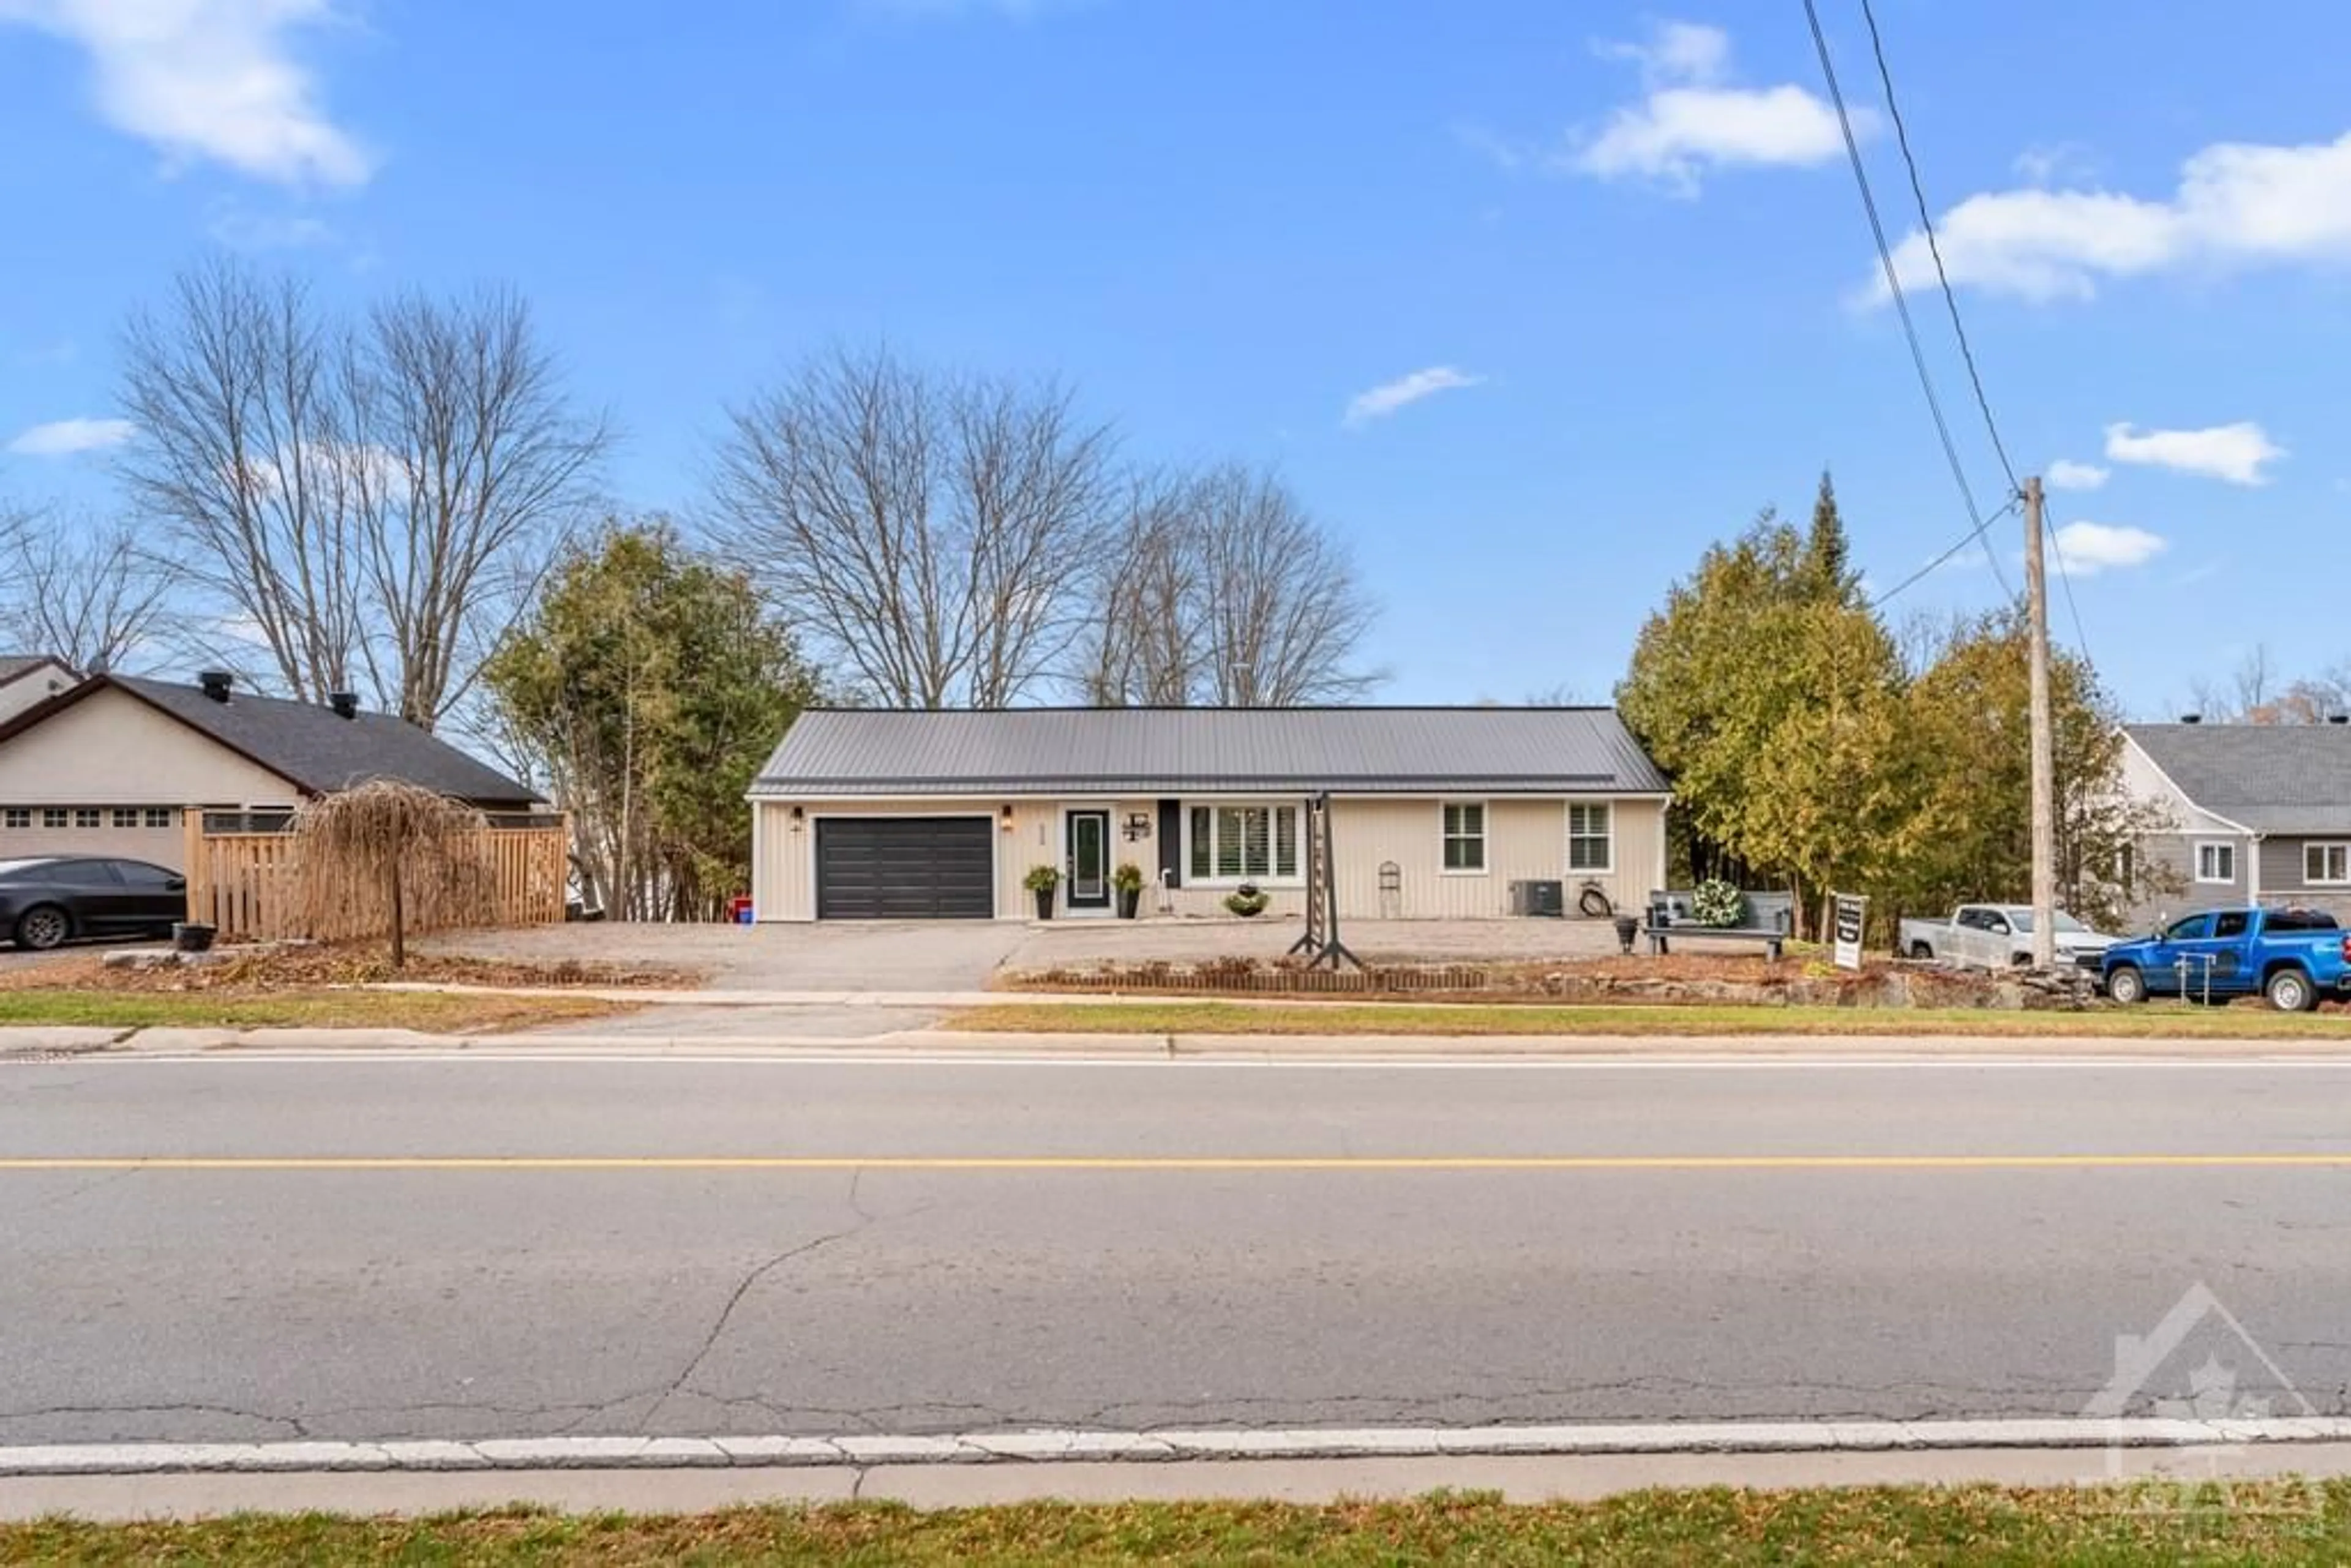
{"x": 1089, "y": 857}
{"x": 905, "y": 868}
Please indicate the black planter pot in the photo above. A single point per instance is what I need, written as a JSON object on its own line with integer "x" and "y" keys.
{"x": 1044, "y": 903}
{"x": 190, "y": 936}
{"x": 1130, "y": 902}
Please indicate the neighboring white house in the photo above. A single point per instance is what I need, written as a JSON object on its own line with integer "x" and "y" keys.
{"x": 2262, "y": 814}
{"x": 29, "y": 680}
{"x": 105, "y": 767}
{"x": 1435, "y": 813}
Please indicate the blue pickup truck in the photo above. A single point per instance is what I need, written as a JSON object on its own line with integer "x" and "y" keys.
{"x": 2293, "y": 957}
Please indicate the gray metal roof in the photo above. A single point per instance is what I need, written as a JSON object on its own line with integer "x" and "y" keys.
{"x": 1154, "y": 751}
{"x": 2272, "y": 779}
{"x": 321, "y": 751}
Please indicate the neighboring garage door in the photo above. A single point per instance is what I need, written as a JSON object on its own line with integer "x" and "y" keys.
{"x": 905, "y": 868}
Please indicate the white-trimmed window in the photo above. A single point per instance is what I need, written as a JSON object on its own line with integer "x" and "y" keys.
{"x": 2327, "y": 865}
{"x": 56, "y": 817}
{"x": 1590, "y": 836}
{"x": 125, "y": 816}
{"x": 2216, "y": 863}
{"x": 159, "y": 816}
{"x": 1465, "y": 836}
{"x": 88, "y": 816}
{"x": 1241, "y": 844}
{"x": 17, "y": 816}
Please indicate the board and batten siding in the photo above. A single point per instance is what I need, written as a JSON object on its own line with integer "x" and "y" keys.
{"x": 113, "y": 751}
{"x": 1526, "y": 840}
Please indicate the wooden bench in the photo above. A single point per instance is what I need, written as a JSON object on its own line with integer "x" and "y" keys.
{"x": 1772, "y": 916}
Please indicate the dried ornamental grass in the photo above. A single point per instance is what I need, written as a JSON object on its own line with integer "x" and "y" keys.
{"x": 389, "y": 856}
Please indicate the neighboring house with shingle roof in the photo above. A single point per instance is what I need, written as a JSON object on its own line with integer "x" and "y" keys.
{"x": 107, "y": 766}
{"x": 1436, "y": 812}
{"x": 27, "y": 680}
{"x": 2262, "y": 814}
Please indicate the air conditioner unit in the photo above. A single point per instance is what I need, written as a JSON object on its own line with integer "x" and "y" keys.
{"x": 1546, "y": 898}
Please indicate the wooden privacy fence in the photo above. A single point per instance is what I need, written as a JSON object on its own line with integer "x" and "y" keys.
{"x": 245, "y": 879}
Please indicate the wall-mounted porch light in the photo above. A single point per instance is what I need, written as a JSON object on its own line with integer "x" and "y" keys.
{"x": 1005, "y": 818}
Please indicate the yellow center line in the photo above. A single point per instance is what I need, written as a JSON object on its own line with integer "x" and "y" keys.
{"x": 1146, "y": 1162}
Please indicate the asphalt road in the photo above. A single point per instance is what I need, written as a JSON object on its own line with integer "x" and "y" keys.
{"x": 1179, "y": 1242}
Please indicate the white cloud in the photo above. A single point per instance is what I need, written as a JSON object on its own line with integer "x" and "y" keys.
{"x": 2085, "y": 549}
{"x": 1691, "y": 122}
{"x": 210, "y": 80}
{"x": 1389, "y": 396}
{"x": 2237, "y": 205}
{"x": 2238, "y": 452}
{"x": 241, "y": 230}
{"x": 65, "y": 437}
{"x": 1677, "y": 52}
{"x": 2068, "y": 474}
{"x": 2049, "y": 165}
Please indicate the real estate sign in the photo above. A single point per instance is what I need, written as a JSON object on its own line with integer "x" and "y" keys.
{"x": 1851, "y": 913}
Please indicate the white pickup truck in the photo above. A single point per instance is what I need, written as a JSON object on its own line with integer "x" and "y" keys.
{"x": 1998, "y": 936}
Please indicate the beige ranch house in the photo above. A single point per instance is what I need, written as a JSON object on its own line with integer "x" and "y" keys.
{"x": 1435, "y": 813}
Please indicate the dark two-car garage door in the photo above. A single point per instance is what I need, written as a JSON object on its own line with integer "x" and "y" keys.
{"x": 905, "y": 868}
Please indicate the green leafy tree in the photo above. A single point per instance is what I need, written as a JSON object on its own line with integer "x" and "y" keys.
{"x": 650, "y": 683}
{"x": 1770, "y": 694}
{"x": 1968, "y": 721}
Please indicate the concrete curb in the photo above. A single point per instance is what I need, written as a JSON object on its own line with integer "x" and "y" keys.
{"x": 1058, "y": 1446}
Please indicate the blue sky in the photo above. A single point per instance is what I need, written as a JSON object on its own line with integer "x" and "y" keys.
{"x": 1529, "y": 301}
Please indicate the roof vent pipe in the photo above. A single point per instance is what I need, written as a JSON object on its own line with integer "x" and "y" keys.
{"x": 345, "y": 704}
{"x": 215, "y": 684}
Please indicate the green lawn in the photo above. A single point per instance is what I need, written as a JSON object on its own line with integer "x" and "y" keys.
{"x": 1182, "y": 1017}
{"x": 2267, "y": 1523}
{"x": 432, "y": 1012}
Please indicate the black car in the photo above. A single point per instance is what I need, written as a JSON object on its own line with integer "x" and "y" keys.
{"x": 54, "y": 899}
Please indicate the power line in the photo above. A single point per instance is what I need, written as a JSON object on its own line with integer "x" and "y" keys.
{"x": 1902, "y": 308}
{"x": 1965, "y": 540}
{"x": 1951, "y": 303}
{"x": 1933, "y": 245}
{"x": 2057, "y": 551}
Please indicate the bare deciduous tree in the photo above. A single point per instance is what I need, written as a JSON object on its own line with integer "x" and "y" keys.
{"x": 930, "y": 534}
{"x": 243, "y": 420}
{"x": 83, "y": 591}
{"x": 1225, "y": 591}
{"x": 472, "y": 468}
{"x": 372, "y": 498}
{"x": 1142, "y": 642}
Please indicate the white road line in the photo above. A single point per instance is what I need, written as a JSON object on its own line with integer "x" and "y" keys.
{"x": 1042, "y": 1445}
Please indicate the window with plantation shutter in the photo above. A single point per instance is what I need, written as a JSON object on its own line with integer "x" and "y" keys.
{"x": 1465, "y": 835}
{"x": 1591, "y": 845}
{"x": 1242, "y": 843}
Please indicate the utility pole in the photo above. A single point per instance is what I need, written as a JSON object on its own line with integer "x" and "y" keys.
{"x": 2045, "y": 748}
